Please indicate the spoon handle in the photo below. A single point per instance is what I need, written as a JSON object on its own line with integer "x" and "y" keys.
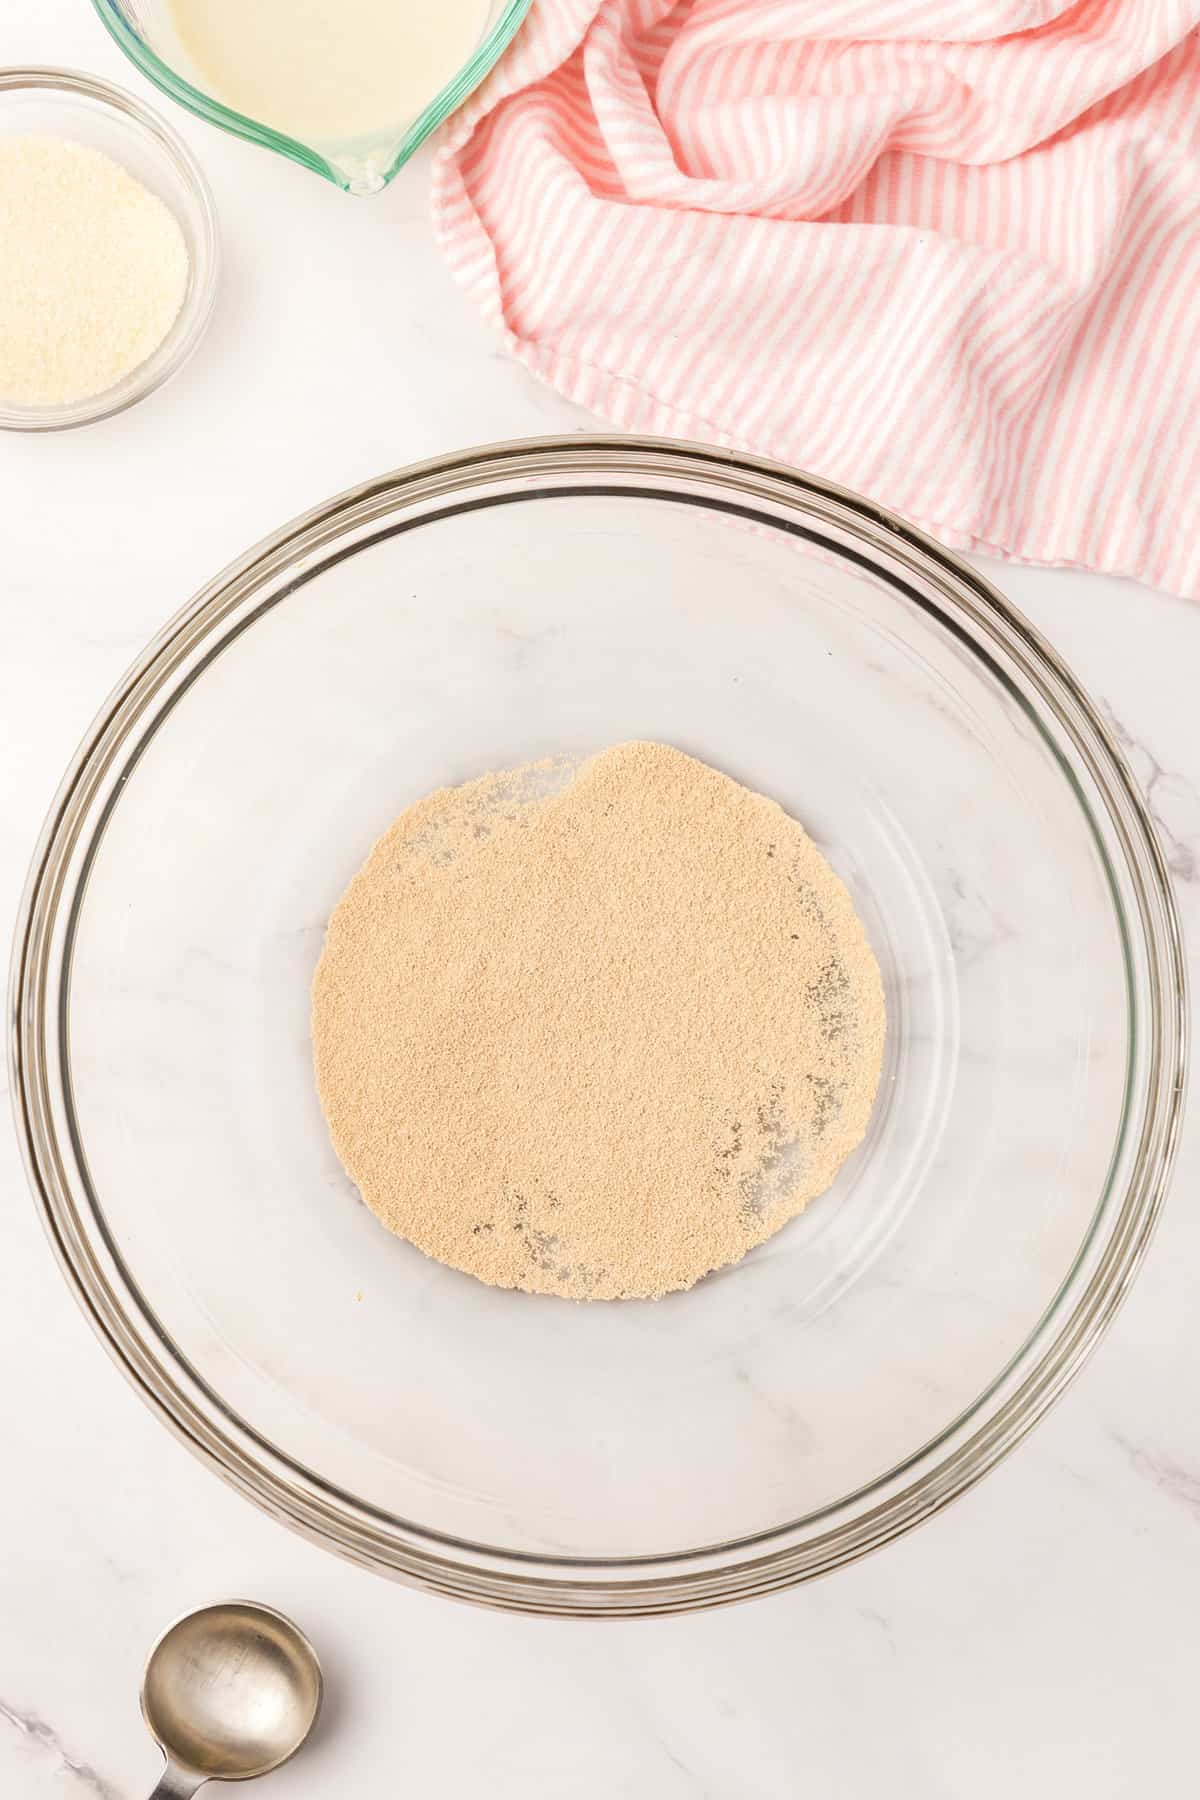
{"x": 177, "y": 1784}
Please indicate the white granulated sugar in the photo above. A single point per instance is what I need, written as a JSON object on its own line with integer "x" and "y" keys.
{"x": 93, "y": 270}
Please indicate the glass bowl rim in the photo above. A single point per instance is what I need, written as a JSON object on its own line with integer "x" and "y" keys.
{"x": 197, "y": 307}
{"x": 226, "y": 118}
{"x": 577, "y": 1586}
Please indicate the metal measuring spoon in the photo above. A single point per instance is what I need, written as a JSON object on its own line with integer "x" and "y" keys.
{"x": 229, "y": 1692}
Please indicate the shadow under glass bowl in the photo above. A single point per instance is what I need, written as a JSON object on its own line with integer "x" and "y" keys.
{"x": 852, "y": 1374}
{"x": 146, "y": 32}
{"x": 65, "y": 103}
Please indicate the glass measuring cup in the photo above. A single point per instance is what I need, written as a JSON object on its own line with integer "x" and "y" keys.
{"x": 146, "y": 33}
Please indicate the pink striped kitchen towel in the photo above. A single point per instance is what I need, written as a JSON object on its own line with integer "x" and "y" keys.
{"x": 944, "y": 251}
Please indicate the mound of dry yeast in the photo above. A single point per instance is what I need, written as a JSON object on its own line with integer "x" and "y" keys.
{"x": 595, "y": 1031}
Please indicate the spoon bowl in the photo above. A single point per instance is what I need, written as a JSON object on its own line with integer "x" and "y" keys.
{"x": 229, "y": 1692}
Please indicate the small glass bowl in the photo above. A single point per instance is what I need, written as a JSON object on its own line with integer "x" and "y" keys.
{"x": 69, "y": 104}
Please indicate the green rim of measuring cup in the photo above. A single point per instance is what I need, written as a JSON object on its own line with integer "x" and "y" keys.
{"x": 113, "y": 16}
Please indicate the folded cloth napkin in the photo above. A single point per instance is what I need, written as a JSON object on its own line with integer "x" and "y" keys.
{"x": 944, "y": 251}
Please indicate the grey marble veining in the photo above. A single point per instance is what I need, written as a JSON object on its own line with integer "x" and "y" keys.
{"x": 1177, "y": 1482}
{"x": 1173, "y": 799}
{"x": 45, "y": 1752}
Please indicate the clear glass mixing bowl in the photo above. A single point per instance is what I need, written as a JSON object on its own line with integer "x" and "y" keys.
{"x": 146, "y": 32}
{"x": 851, "y": 1375}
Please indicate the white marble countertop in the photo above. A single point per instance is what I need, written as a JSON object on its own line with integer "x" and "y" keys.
{"x": 1042, "y": 1636}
